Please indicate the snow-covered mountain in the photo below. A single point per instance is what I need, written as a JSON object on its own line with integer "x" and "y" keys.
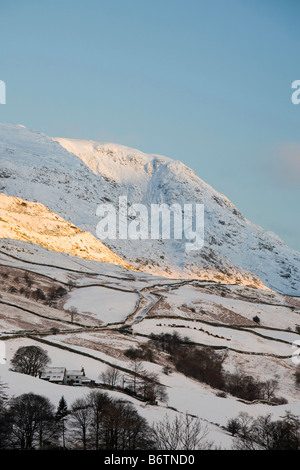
{"x": 72, "y": 178}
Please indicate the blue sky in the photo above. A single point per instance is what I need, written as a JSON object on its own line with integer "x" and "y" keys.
{"x": 207, "y": 82}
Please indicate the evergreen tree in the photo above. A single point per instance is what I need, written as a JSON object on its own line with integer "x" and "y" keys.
{"x": 60, "y": 416}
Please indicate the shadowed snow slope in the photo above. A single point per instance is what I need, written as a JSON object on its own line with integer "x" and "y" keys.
{"x": 72, "y": 177}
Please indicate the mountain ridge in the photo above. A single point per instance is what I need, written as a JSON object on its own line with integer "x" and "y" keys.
{"x": 86, "y": 174}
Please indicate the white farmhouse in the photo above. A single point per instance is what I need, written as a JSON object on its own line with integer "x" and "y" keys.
{"x": 54, "y": 374}
{"x": 62, "y": 376}
{"x": 76, "y": 377}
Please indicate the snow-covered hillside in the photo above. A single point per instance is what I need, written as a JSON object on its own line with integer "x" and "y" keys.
{"x": 73, "y": 177}
{"x": 118, "y": 309}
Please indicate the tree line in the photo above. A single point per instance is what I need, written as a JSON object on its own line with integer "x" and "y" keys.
{"x": 206, "y": 365}
{"x": 94, "y": 422}
{"x": 264, "y": 433}
{"x": 101, "y": 422}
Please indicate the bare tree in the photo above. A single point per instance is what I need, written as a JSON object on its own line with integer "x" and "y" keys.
{"x": 73, "y": 312}
{"x": 30, "y": 360}
{"x": 269, "y": 388}
{"x": 124, "y": 428}
{"x": 181, "y": 433}
{"x": 81, "y": 420}
{"x": 245, "y": 421}
{"x": 99, "y": 404}
{"x": 137, "y": 373}
{"x": 111, "y": 377}
{"x": 32, "y": 422}
{"x": 71, "y": 285}
{"x": 233, "y": 426}
{"x": 151, "y": 389}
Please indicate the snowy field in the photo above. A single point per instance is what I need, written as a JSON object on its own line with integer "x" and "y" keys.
{"x": 276, "y": 316}
{"x": 108, "y": 305}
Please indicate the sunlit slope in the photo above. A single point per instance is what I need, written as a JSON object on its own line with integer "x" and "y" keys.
{"x": 33, "y": 222}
